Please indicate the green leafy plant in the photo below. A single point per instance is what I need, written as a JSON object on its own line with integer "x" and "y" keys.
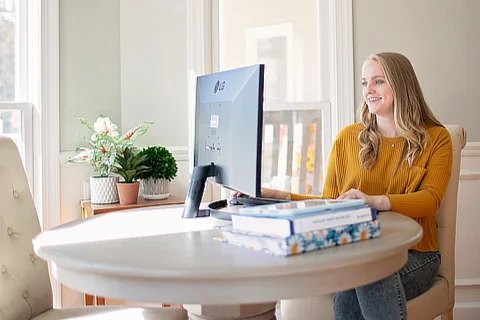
{"x": 130, "y": 166}
{"x": 106, "y": 143}
{"x": 162, "y": 163}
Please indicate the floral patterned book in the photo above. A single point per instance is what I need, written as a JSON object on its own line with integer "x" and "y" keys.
{"x": 301, "y": 242}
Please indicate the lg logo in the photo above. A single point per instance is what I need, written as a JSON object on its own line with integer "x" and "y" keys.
{"x": 219, "y": 86}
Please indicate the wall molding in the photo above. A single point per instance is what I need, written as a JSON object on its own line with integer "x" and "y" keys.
{"x": 468, "y": 282}
{"x": 472, "y": 149}
{"x": 470, "y": 157}
{"x": 469, "y": 175}
{"x": 467, "y": 305}
{"x": 180, "y": 153}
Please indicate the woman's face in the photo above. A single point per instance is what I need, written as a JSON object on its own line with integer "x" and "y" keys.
{"x": 376, "y": 92}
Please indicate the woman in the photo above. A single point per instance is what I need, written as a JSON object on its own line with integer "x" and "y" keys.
{"x": 399, "y": 158}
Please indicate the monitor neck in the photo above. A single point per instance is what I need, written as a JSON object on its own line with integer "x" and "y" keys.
{"x": 195, "y": 190}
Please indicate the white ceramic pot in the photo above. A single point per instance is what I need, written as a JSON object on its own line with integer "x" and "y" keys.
{"x": 158, "y": 189}
{"x": 103, "y": 190}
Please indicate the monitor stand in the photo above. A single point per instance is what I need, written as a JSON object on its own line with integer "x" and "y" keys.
{"x": 195, "y": 191}
{"x": 220, "y": 209}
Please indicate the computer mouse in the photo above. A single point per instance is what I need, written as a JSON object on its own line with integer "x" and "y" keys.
{"x": 234, "y": 201}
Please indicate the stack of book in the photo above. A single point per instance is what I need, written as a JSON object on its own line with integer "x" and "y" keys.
{"x": 295, "y": 227}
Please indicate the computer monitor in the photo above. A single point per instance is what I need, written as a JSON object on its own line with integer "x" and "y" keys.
{"x": 228, "y": 133}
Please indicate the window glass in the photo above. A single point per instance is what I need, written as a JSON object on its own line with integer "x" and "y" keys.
{"x": 8, "y": 24}
{"x": 11, "y": 122}
{"x": 284, "y": 36}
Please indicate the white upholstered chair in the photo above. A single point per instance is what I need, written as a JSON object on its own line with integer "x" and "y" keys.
{"x": 438, "y": 300}
{"x": 25, "y": 289}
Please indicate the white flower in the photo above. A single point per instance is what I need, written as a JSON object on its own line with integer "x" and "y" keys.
{"x": 106, "y": 126}
{"x": 329, "y": 243}
{"x": 295, "y": 244}
{"x": 344, "y": 238}
{"x": 363, "y": 232}
{"x": 311, "y": 246}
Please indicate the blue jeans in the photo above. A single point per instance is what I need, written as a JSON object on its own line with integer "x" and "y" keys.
{"x": 387, "y": 299}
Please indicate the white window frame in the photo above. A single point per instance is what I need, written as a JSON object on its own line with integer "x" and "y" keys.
{"x": 47, "y": 126}
{"x": 37, "y": 66}
{"x": 47, "y": 123}
{"x": 336, "y": 56}
{"x": 27, "y": 134}
{"x": 323, "y": 106}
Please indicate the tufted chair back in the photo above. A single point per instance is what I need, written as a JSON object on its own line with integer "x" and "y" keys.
{"x": 25, "y": 289}
{"x": 440, "y": 298}
{"x": 446, "y": 216}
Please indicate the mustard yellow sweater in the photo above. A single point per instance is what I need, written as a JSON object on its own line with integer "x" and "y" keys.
{"x": 416, "y": 192}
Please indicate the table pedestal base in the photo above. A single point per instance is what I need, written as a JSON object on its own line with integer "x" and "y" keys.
{"x": 260, "y": 311}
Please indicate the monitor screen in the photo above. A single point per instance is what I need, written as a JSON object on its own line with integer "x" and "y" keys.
{"x": 228, "y": 133}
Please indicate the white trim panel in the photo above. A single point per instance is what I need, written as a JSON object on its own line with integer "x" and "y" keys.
{"x": 342, "y": 90}
{"x": 470, "y": 169}
{"x": 469, "y": 175}
{"x": 467, "y": 282}
{"x": 472, "y": 149}
{"x": 47, "y": 127}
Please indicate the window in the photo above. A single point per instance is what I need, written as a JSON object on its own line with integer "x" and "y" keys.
{"x": 19, "y": 32}
{"x": 8, "y": 35}
{"x": 308, "y": 79}
{"x": 16, "y": 123}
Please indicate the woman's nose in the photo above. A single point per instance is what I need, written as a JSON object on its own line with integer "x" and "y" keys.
{"x": 369, "y": 88}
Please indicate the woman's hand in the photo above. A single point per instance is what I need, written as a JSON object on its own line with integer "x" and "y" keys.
{"x": 355, "y": 194}
{"x": 380, "y": 203}
{"x": 269, "y": 193}
{"x": 275, "y": 194}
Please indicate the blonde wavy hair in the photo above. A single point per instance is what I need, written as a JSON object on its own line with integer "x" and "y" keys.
{"x": 412, "y": 115}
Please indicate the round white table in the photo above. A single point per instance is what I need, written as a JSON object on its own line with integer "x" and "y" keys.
{"x": 153, "y": 255}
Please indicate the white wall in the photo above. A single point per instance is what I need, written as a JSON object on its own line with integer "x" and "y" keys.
{"x": 89, "y": 65}
{"x": 126, "y": 59}
{"x": 153, "y": 63}
{"x": 441, "y": 39}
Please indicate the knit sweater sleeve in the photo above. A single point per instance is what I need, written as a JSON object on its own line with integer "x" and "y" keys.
{"x": 426, "y": 200}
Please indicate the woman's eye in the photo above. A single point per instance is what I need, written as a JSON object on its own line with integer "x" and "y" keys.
{"x": 364, "y": 83}
{"x": 378, "y": 81}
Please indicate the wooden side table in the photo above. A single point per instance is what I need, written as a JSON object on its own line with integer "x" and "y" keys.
{"x": 89, "y": 209}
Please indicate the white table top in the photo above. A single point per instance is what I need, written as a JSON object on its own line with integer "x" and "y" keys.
{"x": 154, "y": 255}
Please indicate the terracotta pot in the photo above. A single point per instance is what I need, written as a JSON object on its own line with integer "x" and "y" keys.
{"x": 128, "y": 192}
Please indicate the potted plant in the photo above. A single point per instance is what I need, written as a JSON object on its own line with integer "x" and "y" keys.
{"x": 103, "y": 147}
{"x": 156, "y": 182}
{"x": 129, "y": 166}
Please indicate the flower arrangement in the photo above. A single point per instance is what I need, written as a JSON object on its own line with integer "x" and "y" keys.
{"x": 105, "y": 143}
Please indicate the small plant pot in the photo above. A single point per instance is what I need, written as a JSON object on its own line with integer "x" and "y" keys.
{"x": 128, "y": 192}
{"x": 103, "y": 190}
{"x": 155, "y": 189}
